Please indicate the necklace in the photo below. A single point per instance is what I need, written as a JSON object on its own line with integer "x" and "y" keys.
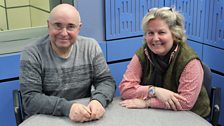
{"x": 69, "y": 52}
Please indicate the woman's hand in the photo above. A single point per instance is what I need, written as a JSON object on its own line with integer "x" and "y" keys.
{"x": 134, "y": 103}
{"x": 170, "y": 98}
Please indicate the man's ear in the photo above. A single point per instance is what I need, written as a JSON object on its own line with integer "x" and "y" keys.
{"x": 47, "y": 23}
{"x": 79, "y": 28}
{"x": 80, "y": 25}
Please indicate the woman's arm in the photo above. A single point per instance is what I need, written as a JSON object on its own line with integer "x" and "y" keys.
{"x": 130, "y": 85}
{"x": 190, "y": 86}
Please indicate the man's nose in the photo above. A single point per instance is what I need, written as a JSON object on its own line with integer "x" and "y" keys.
{"x": 64, "y": 31}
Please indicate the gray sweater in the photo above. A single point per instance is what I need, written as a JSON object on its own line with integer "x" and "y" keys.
{"x": 48, "y": 82}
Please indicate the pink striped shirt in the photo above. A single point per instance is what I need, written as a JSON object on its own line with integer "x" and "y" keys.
{"x": 189, "y": 84}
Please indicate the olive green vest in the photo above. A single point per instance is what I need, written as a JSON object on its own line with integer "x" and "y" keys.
{"x": 182, "y": 57}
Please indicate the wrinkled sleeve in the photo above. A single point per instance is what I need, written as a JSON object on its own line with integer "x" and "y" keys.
{"x": 190, "y": 84}
{"x": 130, "y": 85}
{"x": 103, "y": 81}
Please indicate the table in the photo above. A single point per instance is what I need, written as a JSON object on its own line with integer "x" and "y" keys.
{"x": 120, "y": 116}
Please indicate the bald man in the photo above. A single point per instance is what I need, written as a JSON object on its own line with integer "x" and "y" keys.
{"x": 63, "y": 66}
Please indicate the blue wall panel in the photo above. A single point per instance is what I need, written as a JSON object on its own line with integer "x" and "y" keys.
{"x": 92, "y": 16}
{"x": 123, "y": 17}
{"x": 123, "y": 48}
{"x": 7, "y": 117}
{"x": 214, "y": 58}
{"x": 9, "y": 66}
{"x": 214, "y": 23}
{"x": 198, "y": 48}
{"x": 218, "y": 81}
{"x": 117, "y": 70}
{"x": 194, "y": 14}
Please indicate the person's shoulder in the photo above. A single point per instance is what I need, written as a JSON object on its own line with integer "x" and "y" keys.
{"x": 140, "y": 50}
{"x": 86, "y": 40}
{"x": 38, "y": 44}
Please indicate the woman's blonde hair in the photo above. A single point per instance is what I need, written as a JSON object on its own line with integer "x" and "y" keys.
{"x": 173, "y": 19}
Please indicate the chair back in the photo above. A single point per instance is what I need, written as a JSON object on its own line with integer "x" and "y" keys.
{"x": 207, "y": 81}
{"x": 17, "y": 104}
{"x": 214, "y": 94}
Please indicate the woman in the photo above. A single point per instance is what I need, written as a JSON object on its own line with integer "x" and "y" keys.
{"x": 165, "y": 72}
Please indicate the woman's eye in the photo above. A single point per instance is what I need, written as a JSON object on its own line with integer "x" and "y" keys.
{"x": 162, "y": 33}
{"x": 150, "y": 33}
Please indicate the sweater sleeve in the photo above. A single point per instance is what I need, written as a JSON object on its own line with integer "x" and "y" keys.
{"x": 34, "y": 100}
{"x": 103, "y": 81}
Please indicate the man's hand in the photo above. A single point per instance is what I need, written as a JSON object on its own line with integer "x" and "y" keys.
{"x": 79, "y": 113}
{"x": 97, "y": 110}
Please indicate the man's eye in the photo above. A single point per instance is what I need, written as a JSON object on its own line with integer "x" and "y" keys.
{"x": 71, "y": 26}
{"x": 58, "y": 25}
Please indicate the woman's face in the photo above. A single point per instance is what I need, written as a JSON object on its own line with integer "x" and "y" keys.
{"x": 159, "y": 37}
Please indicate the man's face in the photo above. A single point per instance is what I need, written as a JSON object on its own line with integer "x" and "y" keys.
{"x": 63, "y": 30}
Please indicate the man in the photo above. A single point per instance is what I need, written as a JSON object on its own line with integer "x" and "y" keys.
{"x": 62, "y": 67}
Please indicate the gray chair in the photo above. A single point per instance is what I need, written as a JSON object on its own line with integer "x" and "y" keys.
{"x": 17, "y": 104}
{"x": 214, "y": 95}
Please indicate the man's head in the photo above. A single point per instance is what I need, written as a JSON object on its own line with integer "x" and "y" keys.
{"x": 63, "y": 26}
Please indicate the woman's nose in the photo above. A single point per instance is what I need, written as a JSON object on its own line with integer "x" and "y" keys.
{"x": 155, "y": 37}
